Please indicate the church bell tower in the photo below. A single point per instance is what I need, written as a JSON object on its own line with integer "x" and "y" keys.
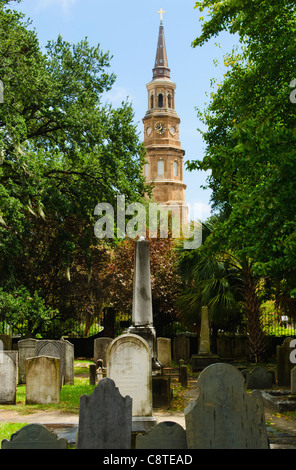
{"x": 164, "y": 158}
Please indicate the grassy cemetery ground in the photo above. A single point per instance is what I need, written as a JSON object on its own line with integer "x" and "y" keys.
{"x": 70, "y": 398}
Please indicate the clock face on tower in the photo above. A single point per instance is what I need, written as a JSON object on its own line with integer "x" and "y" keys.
{"x": 160, "y": 128}
{"x": 173, "y": 130}
{"x": 149, "y": 130}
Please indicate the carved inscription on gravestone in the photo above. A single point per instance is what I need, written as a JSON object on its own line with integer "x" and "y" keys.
{"x": 165, "y": 435}
{"x": 105, "y": 418}
{"x": 129, "y": 365}
{"x": 224, "y": 416}
{"x": 53, "y": 348}
{"x": 34, "y": 436}
{"x": 43, "y": 380}
{"x": 8, "y": 377}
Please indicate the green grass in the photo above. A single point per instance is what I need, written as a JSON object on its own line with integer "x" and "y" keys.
{"x": 69, "y": 400}
{"x": 7, "y": 429}
{"x": 69, "y": 397}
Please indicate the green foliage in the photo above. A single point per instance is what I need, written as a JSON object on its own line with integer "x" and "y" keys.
{"x": 227, "y": 285}
{"x": 23, "y": 312}
{"x": 250, "y": 137}
{"x": 7, "y": 429}
{"x": 62, "y": 151}
{"x": 212, "y": 280}
{"x": 165, "y": 281}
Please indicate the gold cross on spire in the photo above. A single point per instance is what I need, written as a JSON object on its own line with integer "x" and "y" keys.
{"x": 161, "y": 12}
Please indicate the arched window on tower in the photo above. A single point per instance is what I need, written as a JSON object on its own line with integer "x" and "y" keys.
{"x": 151, "y": 102}
{"x": 169, "y": 100}
{"x": 175, "y": 167}
{"x": 160, "y": 100}
{"x": 146, "y": 169}
{"x": 160, "y": 168}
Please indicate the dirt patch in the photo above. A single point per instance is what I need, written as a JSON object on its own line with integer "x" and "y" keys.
{"x": 9, "y": 416}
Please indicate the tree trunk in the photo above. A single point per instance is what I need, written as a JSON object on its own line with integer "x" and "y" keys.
{"x": 252, "y": 305}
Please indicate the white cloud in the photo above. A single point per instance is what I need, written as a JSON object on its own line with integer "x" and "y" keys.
{"x": 116, "y": 95}
{"x": 65, "y": 5}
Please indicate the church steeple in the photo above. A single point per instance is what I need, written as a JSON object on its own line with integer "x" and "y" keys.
{"x": 164, "y": 156}
{"x": 161, "y": 67}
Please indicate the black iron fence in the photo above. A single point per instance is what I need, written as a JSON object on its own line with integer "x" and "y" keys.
{"x": 278, "y": 325}
{"x": 53, "y": 329}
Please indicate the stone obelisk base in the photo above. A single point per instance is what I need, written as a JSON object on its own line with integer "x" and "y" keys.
{"x": 200, "y": 361}
{"x": 148, "y": 334}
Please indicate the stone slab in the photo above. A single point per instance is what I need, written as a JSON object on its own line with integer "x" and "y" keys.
{"x": 224, "y": 415}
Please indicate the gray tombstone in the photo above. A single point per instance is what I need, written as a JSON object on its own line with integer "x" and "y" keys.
{"x": 293, "y": 380}
{"x": 183, "y": 378}
{"x": 165, "y": 435}
{"x": 53, "y": 348}
{"x": 164, "y": 353}
{"x": 43, "y": 380}
{"x": 129, "y": 365}
{"x": 181, "y": 345}
{"x": 284, "y": 365}
{"x": 34, "y": 436}
{"x": 8, "y": 377}
{"x": 6, "y": 342}
{"x": 105, "y": 418}
{"x": 100, "y": 349}
{"x": 259, "y": 378}
{"x": 142, "y": 312}
{"x": 26, "y": 349}
{"x": 204, "y": 357}
{"x": 92, "y": 374}
{"x": 225, "y": 416}
{"x": 69, "y": 362}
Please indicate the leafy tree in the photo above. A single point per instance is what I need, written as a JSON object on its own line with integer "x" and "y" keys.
{"x": 227, "y": 286}
{"x": 25, "y": 313}
{"x": 165, "y": 281}
{"x": 62, "y": 151}
{"x": 250, "y": 150}
{"x": 250, "y": 136}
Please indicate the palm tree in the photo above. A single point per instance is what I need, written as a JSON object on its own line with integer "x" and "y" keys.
{"x": 226, "y": 285}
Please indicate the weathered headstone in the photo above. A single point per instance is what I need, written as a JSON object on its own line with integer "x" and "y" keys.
{"x": 164, "y": 353}
{"x": 259, "y": 378}
{"x": 183, "y": 378}
{"x": 142, "y": 314}
{"x": 284, "y": 365}
{"x": 100, "y": 349}
{"x": 161, "y": 391}
{"x": 181, "y": 348}
{"x": 129, "y": 365}
{"x": 105, "y": 418}
{"x": 92, "y": 374}
{"x": 53, "y": 348}
{"x": 34, "y": 436}
{"x": 69, "y": 362}
{"x": 43, "y": 380}
{"x": 6, "y": 342}
{"x": 225, "y": 416}
{"x": 26, "y": 349}
{"x": 293, "y": 380}
{"x": 8, "y": 377}
{"x": 204, "y": 357}
{"x": 165, "y": 435}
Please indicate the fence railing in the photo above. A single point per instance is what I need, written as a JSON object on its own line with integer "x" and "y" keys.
{"x": 278, "y": 326}
{"x": 54, "y": 329}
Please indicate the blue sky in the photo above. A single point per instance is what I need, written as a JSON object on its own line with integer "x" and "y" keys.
{"x": 129, "y": 30}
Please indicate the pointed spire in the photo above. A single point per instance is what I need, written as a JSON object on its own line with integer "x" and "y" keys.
{"x": 161, "y": 67}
